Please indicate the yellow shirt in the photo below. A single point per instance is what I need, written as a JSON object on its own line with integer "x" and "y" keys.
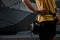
{"x": 45, "y": 5}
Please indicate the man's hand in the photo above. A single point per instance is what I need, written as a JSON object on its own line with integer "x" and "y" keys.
{"x": 42, "y": 12}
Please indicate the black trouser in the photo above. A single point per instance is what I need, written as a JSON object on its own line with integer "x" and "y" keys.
{"x": 47, "y": 29}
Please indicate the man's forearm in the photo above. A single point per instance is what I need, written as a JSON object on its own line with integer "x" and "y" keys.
{"x": 29, "y": 5}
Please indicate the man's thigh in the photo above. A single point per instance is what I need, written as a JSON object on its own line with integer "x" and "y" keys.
{"x": 47, "y": 29}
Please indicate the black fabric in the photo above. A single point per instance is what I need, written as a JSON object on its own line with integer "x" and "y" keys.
{"x": 36, "y": 27}
{"x": 47, "y": 29}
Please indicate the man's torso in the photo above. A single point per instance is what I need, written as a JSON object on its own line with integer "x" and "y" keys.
{"x": 45, "y": 5}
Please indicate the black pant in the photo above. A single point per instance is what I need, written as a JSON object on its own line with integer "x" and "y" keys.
{"x": 47, "y": 29}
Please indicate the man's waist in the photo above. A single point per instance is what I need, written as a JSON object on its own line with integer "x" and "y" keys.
{"x": 45, "y": 18}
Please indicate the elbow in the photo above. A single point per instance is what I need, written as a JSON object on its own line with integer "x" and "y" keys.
{"x": 24, "y": 1}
